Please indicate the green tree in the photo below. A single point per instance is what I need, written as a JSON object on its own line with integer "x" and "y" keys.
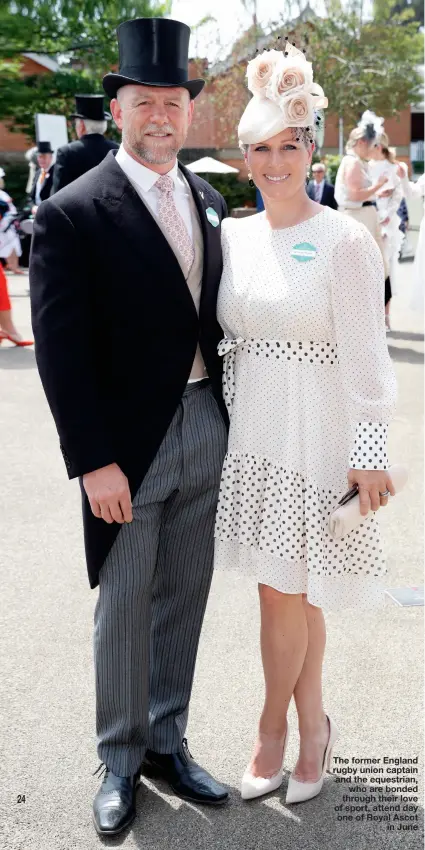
{"x": 368, "y": 64}
{"x": 81, "y": 32}
{"x": 81, "y": 29}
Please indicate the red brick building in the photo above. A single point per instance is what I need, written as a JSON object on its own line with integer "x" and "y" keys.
{"x": 14, "y": 145}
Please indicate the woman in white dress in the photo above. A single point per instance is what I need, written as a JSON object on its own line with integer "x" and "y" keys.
{"x": 382, "y": 163}
{"x": 10, "y": 245}
{"x": 310, "y": 389}
{"x": 355, "y": 190}
{"x": 411, "y": 190}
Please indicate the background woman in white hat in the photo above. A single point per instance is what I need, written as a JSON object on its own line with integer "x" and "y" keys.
{"x": 310, "y": 388}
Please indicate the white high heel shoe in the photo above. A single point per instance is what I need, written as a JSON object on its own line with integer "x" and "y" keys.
{"x": 299, "y": 791}
{"x": 256, "y": 786}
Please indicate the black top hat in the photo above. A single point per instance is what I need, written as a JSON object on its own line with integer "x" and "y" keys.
{"x": 44, "y": 147}
{"x": 90, "y": 106}
{"x": 153, "y": 52}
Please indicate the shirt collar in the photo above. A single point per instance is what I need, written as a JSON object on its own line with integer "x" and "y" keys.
{"x": 144, "y": 177}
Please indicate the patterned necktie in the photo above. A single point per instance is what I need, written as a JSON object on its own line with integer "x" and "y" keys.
{"x": 318, "y": 192}
{"x": 42, "y": 176}
{"x": 173, "y": 222}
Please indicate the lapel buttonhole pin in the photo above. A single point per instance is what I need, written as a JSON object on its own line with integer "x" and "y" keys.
{"x": 202, "y": 195}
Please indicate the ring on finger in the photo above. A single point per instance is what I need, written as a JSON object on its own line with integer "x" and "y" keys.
{"x": 385, "y": 494}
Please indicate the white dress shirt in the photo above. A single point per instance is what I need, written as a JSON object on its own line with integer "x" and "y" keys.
{"x": 143, "y": 179}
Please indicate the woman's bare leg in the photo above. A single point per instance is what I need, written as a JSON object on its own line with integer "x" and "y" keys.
{"x": 312, "y": 723}
{"x": 6, "y": 323}
{"x": 284, "y": 637}
{"x": 13, "y": 263}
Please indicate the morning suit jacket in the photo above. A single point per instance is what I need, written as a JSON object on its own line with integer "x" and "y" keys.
{"x": 116, "y": 328}
{"x": 47, "y": 185}
{"x": 75, "y": 159}
{"x": 328, "y": 196}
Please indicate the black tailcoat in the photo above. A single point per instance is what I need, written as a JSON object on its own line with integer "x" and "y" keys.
{"x": 116, "y": 328}
{"x": 75, "y": 159}
{"x": 328, "y": 196}
{"x": 47, "y": 185}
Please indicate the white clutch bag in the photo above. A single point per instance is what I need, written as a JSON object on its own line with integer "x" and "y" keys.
{"x": 346, "y": 517}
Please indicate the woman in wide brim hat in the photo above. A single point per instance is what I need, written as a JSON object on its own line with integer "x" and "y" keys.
{"x": 310, "y": 388}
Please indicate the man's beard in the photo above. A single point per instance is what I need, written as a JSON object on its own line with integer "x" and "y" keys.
{"x": 154, "y": 154}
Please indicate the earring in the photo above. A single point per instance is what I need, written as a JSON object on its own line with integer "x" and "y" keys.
{"x": 250, "y": 180}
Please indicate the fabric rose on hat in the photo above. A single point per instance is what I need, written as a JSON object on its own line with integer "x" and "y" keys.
{"x": 298, "y": 110}
{"x": 260, "y": 70}
{"x": 291, "y": 75}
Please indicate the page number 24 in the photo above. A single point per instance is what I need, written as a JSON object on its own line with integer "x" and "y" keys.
{"x": 21, "y": 798}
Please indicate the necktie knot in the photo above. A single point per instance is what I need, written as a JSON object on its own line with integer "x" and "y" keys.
{"x": 165, "y": 183}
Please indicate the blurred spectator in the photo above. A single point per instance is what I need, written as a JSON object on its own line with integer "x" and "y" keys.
{"x": 319, "y": 189}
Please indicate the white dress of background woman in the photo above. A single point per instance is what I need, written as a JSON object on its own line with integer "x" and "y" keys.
{"x": 388, "y": 206}
{"x": 355, "y": 192}
{"x": 417, "y": 190}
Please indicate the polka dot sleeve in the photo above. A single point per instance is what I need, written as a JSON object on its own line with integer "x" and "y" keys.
{"x": 368, "y": 380}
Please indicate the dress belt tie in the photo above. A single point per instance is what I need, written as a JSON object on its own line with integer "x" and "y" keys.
{"x": 227, "y": 350}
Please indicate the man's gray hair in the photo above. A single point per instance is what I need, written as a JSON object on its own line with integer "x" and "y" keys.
{"x": 94, "y": 126}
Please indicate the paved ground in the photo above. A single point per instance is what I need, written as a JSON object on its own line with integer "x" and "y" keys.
{"x": 373, "y": 665}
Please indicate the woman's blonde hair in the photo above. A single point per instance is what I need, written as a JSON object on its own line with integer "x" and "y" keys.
{"x": 356, "y": 135}
{"x": 388, "y": 152}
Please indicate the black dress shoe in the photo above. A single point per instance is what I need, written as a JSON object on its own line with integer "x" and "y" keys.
{"x": 114, "y": 806}
{"x": 187, "y": 779}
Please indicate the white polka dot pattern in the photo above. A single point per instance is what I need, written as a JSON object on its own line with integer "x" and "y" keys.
{"x": 173, "y": 222}
{"x": 310, "y": 388}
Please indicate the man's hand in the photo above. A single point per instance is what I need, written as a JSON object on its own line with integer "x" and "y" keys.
{"x": 109, "y": 494}
{"x": 371, "y": 484}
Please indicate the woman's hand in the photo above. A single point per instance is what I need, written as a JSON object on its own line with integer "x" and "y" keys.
{"x": 371, "y": 484}
{"x": 386, "y": 193}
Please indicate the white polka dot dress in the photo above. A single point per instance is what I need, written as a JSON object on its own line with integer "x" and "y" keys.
{"x": 310, "y": 388}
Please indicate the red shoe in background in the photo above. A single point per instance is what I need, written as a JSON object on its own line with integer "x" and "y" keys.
{"x": 15, "y": 339}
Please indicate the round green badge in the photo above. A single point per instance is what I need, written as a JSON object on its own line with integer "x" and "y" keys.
{"x": 303, "y": 252}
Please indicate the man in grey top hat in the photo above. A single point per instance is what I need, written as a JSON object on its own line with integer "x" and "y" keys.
{"x": 91, "y": 147}
{"x": 132, "y": 374}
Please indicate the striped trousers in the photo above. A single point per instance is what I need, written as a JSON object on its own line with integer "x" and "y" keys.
{"x": 153, "y": 590}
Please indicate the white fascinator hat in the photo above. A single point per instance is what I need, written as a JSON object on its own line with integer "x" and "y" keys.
{"x": 284, "y": 94}
{"x": 371, "y": 126}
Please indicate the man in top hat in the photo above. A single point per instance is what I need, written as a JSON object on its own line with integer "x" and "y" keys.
{"x": 319, "y": 189}
{"x": 43, "y": 178}
{"x": 134, "y": 385}
{"x": 77, "y": 157}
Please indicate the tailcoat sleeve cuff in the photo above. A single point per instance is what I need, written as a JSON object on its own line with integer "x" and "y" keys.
{"x": 370, "y": 446}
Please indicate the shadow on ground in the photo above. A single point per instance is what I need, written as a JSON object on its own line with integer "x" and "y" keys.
{"x": 268, "y": 823}
{"x": 17, "y": 358}
{"x": 406, "y": 355}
